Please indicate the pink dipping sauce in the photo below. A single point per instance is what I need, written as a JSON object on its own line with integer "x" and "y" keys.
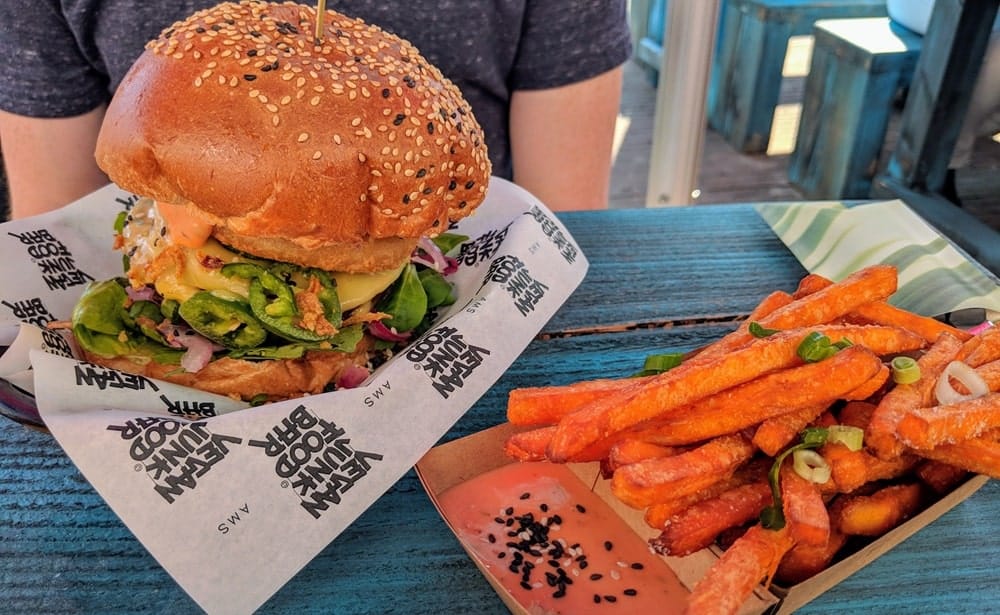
{"x": 556, "y": 546}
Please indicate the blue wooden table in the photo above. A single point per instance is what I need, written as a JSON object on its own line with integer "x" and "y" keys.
{"x": 660, "y": 279}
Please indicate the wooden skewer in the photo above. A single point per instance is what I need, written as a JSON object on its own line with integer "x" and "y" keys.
{"x": 320, "y": 14}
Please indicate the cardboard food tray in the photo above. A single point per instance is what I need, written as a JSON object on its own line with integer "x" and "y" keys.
{"x": 167, "y": 457}
{"x": 453, "y": 463}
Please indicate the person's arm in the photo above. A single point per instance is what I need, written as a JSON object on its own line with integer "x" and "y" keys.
{"x": 49, "y": 162}
{"x": 561, "y": 141}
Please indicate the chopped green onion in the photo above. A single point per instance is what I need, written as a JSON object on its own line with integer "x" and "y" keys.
{"x": 815, "y": 347}
{"x": 758, "y": 331}
{"x": 659, "y": 363}
{"x": 773, "y": 516}
{"x": 905, "y": 370}
{"x": 851, "y": 437}
{"x": 811, "y": 466}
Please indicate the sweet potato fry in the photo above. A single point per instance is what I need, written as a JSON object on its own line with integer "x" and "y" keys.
{"x": 629, "y": 451}
{"x": 805, "y": 512}
{"x": 646, "y": 482}
{"x": 533, "y": 406}
{"x": 856, "y": 414}
{"x": 529, "y": 445}
{"x": 776, "y": 433}
{"x": 881, "y": 432}
{"x": 983, "y": 348}
{"x": 805, "y": 561}
{"x": 869, "y": 388}
{"x": 876, "y": 514}
{"x": 939, "y": 476}
{"x": 731, "y": 579}
{"x": 657, "y": 514}
{"x": 980, "y": 455}
{"x": 805, "y": 386}
{"x": 811, "y": 283}
{"x": 923, "y": 428}
{"x": 825, "y": 304}
{"x": 849, "y": 470}
{"x": 695, "y": 380}
{"x": 882, "y": 313}
{"x": 696, "y": 527}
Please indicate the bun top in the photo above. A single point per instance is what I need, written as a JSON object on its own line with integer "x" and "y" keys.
{"x": 241, "y": 114}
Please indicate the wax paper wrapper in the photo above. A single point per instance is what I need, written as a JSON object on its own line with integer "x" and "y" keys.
{"x": 234, "y": 504}
{"x": 935, "y": 278}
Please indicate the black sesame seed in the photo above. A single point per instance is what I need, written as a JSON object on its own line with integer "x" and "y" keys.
{"x": 249, "y": 77}
{"x": 608, "y": 545}
{"x": 630, "y": 592}
{"x": 498, "y": 519}
{"x": 501, "y": 555}
{"x": 406, "y": 199}
{"x": 526, "y": 585}
{"x": 580, "y": 508}
{"x": 421, "y": 172}
{"x": 385, "y": 92}
{"x": 452, "y": 185}
{"x": 491, "y": 538}
{"x": 199, "y": 30}
{"x": 597, "y": 599}
{"x": 216, "y": 27}
{"x": 544, "y": 507}
{"x": 428, "y": 190}
{"x": 399, "y": 119}
{"x": 469, "y": 184}
{"x": 462, "y": 204}
{"x": 525, "y": 496}
{"x": 251, "y": 52}
{"x": 559, "y": 593}
{"x": 597, "y": 576}
{"x": 509, "y": 511}
{"x": 265, "y": 68}
{"x": 637, "y": 566}
{"x": 430, "y": 128}
{"x": 557, "y": 519}
{"x": 584, "y": 564}
{"x": 610, "y": 598}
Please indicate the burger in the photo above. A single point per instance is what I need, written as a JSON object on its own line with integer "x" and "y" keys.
{"x": 296, "y": 185}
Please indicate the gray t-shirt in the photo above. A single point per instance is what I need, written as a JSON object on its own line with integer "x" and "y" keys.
{"x": 65, "y": 57}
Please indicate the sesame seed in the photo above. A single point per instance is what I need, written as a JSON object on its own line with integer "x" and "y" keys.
{"x": 361, "y": 157}
{"x": 303, "y": 137}
{"x": 249, "y": 77}
{"x": 336, "y": 139}
{"x": 275, "y": 120}
{"x": 317, "y": 155}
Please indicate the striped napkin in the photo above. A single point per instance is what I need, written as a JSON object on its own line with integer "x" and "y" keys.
{"x": 834, "y": 240}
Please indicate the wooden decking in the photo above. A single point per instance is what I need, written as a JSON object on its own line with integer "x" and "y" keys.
{"x": 728, "y": 176}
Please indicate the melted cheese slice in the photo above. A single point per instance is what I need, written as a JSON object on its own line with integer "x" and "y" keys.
{"x": 179, "y": 272}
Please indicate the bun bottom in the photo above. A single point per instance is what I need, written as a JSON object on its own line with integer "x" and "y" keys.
{"x": 241, "y": 379}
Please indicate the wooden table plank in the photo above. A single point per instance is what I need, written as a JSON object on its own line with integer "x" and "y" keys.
{"x": 687, "y": 263}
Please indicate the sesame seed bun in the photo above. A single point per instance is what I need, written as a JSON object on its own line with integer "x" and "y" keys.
{"x": 337, "y": 153}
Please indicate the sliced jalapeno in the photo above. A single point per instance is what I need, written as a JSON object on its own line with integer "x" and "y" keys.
{"x": 407, "y": 301}
{"x": 328, "y": 296}
{"x": 225, "y": 322}
{"x": 272, "y": 301}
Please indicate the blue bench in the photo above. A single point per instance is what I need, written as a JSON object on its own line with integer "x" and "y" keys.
{"x": 858, "y": 67}
{"x": 746, "y": 72}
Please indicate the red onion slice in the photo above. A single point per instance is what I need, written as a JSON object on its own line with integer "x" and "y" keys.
{"x": 352, "y": 377}
{"x": 432, "y": 255}
{"x": 378, "y": 329}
